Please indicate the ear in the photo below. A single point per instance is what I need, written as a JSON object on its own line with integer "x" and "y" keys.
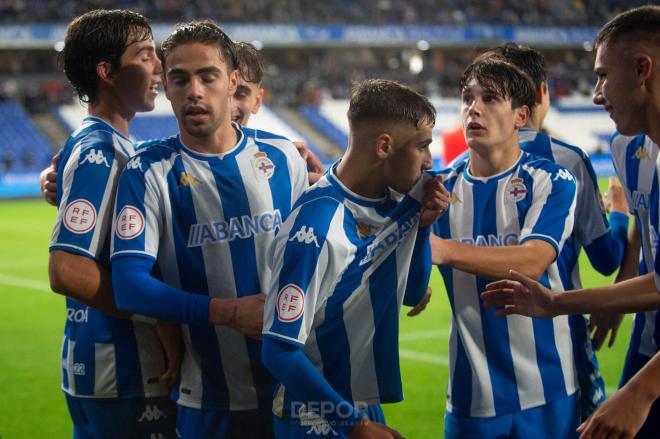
{"x": 104, "y": 71}
{"x": 522, "y": 116}
{"x": 233, "y": 82}
{"x": 165, "y": 87}
{"x": 644, "y": 67}
{"x": 258, "y": 100}
{"x": 384, "y": 144}
{"x": 540, "y": 91}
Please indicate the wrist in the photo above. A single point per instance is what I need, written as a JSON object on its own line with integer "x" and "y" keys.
{"x": 361, "y": 424}
{"x": 222, "y": 312}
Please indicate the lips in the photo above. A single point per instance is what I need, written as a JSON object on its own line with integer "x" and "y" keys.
{"x": 474, "y": 126}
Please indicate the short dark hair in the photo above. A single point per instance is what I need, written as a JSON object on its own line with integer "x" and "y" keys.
{"x": 529, "y": 60}
{"x": 642, "y": 23}
{"x": 251, "y": 63}
{"x": 502, "y": 78}
{"x": 381, "y": 100}
{"x": 99, "y": 36}
{"x": 203, "y": 32}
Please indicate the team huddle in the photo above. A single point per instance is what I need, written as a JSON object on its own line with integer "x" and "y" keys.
{"x": 221, "y": 284}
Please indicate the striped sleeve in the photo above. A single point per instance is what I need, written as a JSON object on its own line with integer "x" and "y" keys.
{"x": 551, "y": 214}
{"x": 307, "y": 260}
{"x": 89, "y": 178}
{"x": 591, "y": 221}
{"x": 139, "y": 211}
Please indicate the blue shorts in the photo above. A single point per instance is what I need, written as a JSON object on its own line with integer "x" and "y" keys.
{"x": 215, "y": 424}
{"x": 555, "y": 420}
{"x": 290, "y": 429}
{"x": 136, "y": 418}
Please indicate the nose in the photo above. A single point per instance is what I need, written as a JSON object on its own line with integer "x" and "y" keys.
{"x": 195, "y": 89}
{"x": 428, "y": 160}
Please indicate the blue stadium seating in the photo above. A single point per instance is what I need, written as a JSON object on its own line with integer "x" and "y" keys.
{"x": 153, "y": 127}
{"x": 327, "y": 128}
{"x": 21, "y": 142}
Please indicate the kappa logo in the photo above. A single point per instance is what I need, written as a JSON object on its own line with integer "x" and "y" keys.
{"x": 290, "y": 303}
{"x": 187, "y": 180}
{"x": 306, "y": 236}
{"x": 151, "y": 413}
{"x": 262, "y": 165}
{"x": 454, "y": 199}
{"x": 134, "y": 163}
{"x": 96, "y": 158}
{"x": 641, "y": 154}
{"x": 321, "y": 429}
{"x": 563, "y": 174}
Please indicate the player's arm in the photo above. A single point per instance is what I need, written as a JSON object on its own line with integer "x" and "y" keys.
{"x": 83, "y": 279}
{"x": 522, "y": 295}
{"x": 605, "y": 252}
{"x": 48, "y": 181}
{"x": 314, "y": 166}
{"x": 624, "y": 413}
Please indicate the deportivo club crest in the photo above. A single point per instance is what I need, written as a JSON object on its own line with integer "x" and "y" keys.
{"x": 516, "y": 189}
{"x": 364, "y": 230}
{"x": 262, "y": 165}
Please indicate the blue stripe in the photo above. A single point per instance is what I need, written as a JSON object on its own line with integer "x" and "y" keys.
{"x": 280, "y": 181}
{"x": 461, "y": 385}
{"x": 552, "y": 218}
{"x": 236, "y": 204}
{"x": 496, "y": 330}
{"x": 129, "y": 370}
{"x": 192, "y": 274}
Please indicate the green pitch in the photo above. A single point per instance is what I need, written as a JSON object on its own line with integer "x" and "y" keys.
{"x": 32, "y": 319}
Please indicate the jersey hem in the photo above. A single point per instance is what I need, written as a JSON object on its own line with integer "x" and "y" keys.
{"x": 508, "y": 409}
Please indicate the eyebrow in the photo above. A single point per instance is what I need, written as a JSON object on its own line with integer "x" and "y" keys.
{"x": 202, "y": 71}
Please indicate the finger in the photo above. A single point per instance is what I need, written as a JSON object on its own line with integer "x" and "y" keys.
{"x": 599, "y": 337}
{"x": 509, "y": 310}
{"x": 497, "y": 293}
{"x": 613, "y": 333}
{"x": 524, "y": 280}
{"x": 51, "y": 177}
{"x": 504, "y": 283}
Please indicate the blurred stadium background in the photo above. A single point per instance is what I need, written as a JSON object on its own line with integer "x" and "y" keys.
{"x": 313, "y": 51}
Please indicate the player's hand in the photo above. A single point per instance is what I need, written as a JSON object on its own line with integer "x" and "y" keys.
{"x": 315, "y": 168}
{"x": 435, "y": 201}
{"x": 519, "y": 295}
{"x": 48, "y": 181}
{"x": 438, "y": 249}
{"x": 600, "y": 324}
{"x": 614, "y": 199}
{"x": 620, "y": 416}
{"x": 249, "y": 316}
{"x": 367, "y": 429}
{"x": 421, "y": 306}
{"x": 172, "y": 341}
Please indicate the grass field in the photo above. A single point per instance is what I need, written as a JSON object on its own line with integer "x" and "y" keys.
{"x": 32, "y": 320}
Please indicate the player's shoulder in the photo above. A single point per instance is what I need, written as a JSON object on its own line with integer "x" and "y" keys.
{"x": 323, "y": 196}
{"x": 261, "y": 136}
{"x": 541, "y": 167}
{"x": 97, "y": 135}
{"x": 620, "y": 142}
{"x": 152, "y": 152}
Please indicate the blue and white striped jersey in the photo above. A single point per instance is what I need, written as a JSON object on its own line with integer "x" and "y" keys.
{"x": 636, "y": 162}
{"x": 102, "y": 356}
{"x": 341, "y": 266}
{"x": 207, "y": 220}
{"x": 503, "y": 365}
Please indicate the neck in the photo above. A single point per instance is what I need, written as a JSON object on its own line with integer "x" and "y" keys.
{"x": 361, "y": 174}
{"x": 222, "y": 140}
{"x": 113, "y": 114}
{"x": 486, "y": 162}
{"x": 535, "y": 121}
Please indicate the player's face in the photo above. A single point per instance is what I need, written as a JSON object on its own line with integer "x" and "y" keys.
{"x": 199, "y": 85}
{"x": 246, "y": 101}
{"x": 138, "y": 76}
{"x": 410, "y": 156}
{"x": 617, "y": 89}
{"x": 488, "y": 119}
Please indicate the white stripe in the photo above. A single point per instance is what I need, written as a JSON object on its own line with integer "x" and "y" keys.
{"x": 21, "y": 282}
{"x": 152, "y": 360}
{"x": 191, "y": 390}
{"x": 105, "y": 370}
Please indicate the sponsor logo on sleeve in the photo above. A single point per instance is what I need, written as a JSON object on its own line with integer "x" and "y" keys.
{"x": 262, "y": 165}
{"x": 187, "y": 179}
{"x": 563, "y": 174}
{"x": 130, "y": 223}
{"x": 290, "y": 303}
{"x": 641, "y": 154}
{"x": 96, "y": 158}
{"x": 134, "y": 163}
{"x": 79, "y": 216}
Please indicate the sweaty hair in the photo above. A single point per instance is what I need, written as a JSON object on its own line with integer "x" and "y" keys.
{"x": 529, "y": 60}
{"x": 99, "y": 36}
{"x": 250, "y": 62}
{"x": 380, "y": 100}
{"x": 642, "y": 23}
{"x": 502, "y": 78}
{"x": 203, "y": 32}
